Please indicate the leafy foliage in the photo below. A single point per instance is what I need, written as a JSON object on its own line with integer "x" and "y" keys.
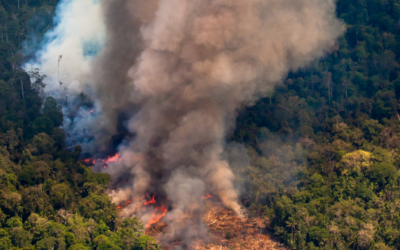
{"x": 324, "y": 148}
{"x": 48, "y": 199}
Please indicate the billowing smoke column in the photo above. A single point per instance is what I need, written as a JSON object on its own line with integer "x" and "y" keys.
{"x": 187, "y": 66}
{"x": 177, "y": 71}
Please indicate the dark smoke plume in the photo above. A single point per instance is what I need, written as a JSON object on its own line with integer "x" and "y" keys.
{"x": 187, "y": 67}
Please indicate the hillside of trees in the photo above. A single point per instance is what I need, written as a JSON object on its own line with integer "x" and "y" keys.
{"x": 324, "y": 147}
{"x": 48, "y": 199}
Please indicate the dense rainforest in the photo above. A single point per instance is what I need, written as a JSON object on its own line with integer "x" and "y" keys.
{"x": 48, "y": 199}
{"x": 324, "y": 158}
{"x": 324, "y": 147}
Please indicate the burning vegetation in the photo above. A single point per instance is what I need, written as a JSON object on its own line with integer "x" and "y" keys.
{"x": 226, "y": 231}
{"x": 104, "y": 162}
{"x": 158, "y": 212}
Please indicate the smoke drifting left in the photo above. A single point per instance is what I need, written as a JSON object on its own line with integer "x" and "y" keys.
{"x": 167, "y": 82}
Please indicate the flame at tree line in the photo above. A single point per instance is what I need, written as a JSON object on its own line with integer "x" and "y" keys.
{"x": 107, "y": 161}
{"x": 157, "y": 214}
{"x": 156, "y": 217}
{"x": 159, "y": 211}
{"x": 207, "y": 196}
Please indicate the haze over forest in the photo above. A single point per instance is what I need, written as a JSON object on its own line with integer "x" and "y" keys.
{"x": 115, "y": 115}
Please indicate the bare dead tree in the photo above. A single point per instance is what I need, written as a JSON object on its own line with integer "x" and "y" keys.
{"x": 22, "y": 89}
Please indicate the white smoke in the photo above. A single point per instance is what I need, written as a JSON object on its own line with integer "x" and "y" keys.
{"x": 78, "y": 34}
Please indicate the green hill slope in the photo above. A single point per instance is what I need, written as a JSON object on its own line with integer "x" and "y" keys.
{"x": 48, "y": 199}
{"x": 325, "y": 146}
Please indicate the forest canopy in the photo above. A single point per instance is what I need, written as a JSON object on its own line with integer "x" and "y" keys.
{"x": 48, "y": 198}
{"x": 323, "y": 148}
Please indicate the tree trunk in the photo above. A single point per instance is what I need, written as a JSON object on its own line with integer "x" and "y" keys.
{"x": 22, "y": 89}
{"x": 329, "y": 94}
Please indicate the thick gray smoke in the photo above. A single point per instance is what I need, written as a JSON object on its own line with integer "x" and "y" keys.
{"x": 188, "y": 66}
{"x": 177, "y": 71}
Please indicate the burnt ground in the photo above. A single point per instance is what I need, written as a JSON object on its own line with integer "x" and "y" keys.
{"x": 227, "y": 232}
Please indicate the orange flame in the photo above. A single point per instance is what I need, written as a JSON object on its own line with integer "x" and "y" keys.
{"x": 156, "y": 217}
{"x": 112, "y": 159}
{"x": 159, "y": 212}
{"x": 152, "y": 201}
{"x": 208, "y": 196}
{"x": 89, "y": 161}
